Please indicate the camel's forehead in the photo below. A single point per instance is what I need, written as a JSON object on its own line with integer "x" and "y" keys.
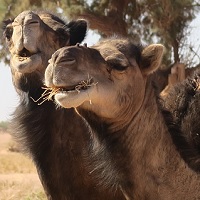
{"x": 25, "y": 15}
{"x": 77, "y": 51}
{"x": 100, "y": 51}
{"x": 51, "y": 21}
{"x": 116, "y": 46}
{"x": 103, "y": 49}
{"x": 44, "y": 16}
{"x": 113, "y": 45}
{"x": 106, "y": 49}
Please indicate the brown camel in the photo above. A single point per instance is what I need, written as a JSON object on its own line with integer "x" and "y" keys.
{"x": 56, "y": 139}
{"x": 182, "y": 102}
{"x": 110, "y": 85}
{"x": 32, "y": 38}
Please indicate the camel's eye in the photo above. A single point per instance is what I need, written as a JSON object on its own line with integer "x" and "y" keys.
{"x": 119, "y": 67}
{"x": 8, "y": 32}
{"x": 117, "y": 61}
{"x": 34, "y": 22}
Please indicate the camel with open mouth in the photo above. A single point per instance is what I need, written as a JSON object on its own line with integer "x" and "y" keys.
{"x": 56, "y": 139}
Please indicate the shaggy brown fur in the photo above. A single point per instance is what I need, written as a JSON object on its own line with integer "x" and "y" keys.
{"x": 56, "y": 139}
{"x": 122, "y": 109}
{"x": 182, "y": 102}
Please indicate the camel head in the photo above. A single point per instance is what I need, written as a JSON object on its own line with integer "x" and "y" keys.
{"x": 33, "y": 37}
{"x": 108, "y": 79}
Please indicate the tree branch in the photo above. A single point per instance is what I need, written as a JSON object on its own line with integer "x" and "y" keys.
{"x": 107, "y": 25}
{"x": 112, "y": 22}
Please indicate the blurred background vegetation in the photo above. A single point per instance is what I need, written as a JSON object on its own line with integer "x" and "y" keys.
{"x": 148, "y": 21}
{"x": 4, "y": 126}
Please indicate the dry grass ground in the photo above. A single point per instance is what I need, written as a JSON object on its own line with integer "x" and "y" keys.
{"x": 18, "y": 177}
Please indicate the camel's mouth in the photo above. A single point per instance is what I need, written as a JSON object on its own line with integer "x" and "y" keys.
{"x": 66, "y": 91}
{"x": 81, "y": 86}
{"x": 26, "y": 61}
{"x": 73, "y": 97}
{"x": 25, "y": 54}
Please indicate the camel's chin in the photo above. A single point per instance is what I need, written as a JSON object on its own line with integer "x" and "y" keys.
{"x": 27, "y": 64}
{"x": 73, "y": 99}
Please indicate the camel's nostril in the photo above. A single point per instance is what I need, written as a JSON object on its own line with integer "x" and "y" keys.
{"x": 33, "y": 22}
{"x": 67, "y": 61}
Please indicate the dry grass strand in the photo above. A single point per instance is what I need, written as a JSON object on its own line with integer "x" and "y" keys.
{"x": 49, "y": 92}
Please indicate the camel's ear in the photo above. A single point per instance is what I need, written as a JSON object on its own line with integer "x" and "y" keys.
{"x": 7, "y": 28}
{"x": 77, "y": 30}
{"x": 6, "y": 22}
{"x": 151, "y": 58}
{"x": 117, "y": 61}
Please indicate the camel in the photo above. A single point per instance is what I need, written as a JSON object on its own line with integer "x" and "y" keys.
{"x": 110, "y": 85}
{"x": 182, "y": 102}
{"x": 32, "y": 38}
{"x": 56, "y": 139}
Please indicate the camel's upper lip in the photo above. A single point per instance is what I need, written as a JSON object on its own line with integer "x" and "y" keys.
{"x": 82, "y": 85}
{"x": 66, "y": 88}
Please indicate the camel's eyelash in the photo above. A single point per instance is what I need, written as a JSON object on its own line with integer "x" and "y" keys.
{"x": 119, "y": 67}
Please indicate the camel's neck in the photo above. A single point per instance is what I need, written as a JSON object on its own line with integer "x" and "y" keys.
{"x": 28, "y": 83}
{"x": 148, "y": 130}
{"x": 142, "y": 155}
{"x": 58, "y": 142}
{"x": 155, "y": 159}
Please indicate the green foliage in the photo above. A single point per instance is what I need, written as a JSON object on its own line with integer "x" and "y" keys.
{"x": 4, "y": 126}
{"x": 161, "y": 21}
{"x": 170, "y": 19}
{"x": 72, "y": 7}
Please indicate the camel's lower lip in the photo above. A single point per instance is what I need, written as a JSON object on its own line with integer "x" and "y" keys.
{"x": 69, "y": 96}
{"x": 27, "y": 64}
{"x": 72, "y": 98}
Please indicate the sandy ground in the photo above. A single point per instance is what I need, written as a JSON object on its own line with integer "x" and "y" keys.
{"x": 5, "y": 138}
{"x": 18, "y": 177}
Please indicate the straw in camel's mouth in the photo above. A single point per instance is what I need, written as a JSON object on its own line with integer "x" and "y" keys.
{"x": 50, "y": 92}
{"x": 82, "y": 85}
